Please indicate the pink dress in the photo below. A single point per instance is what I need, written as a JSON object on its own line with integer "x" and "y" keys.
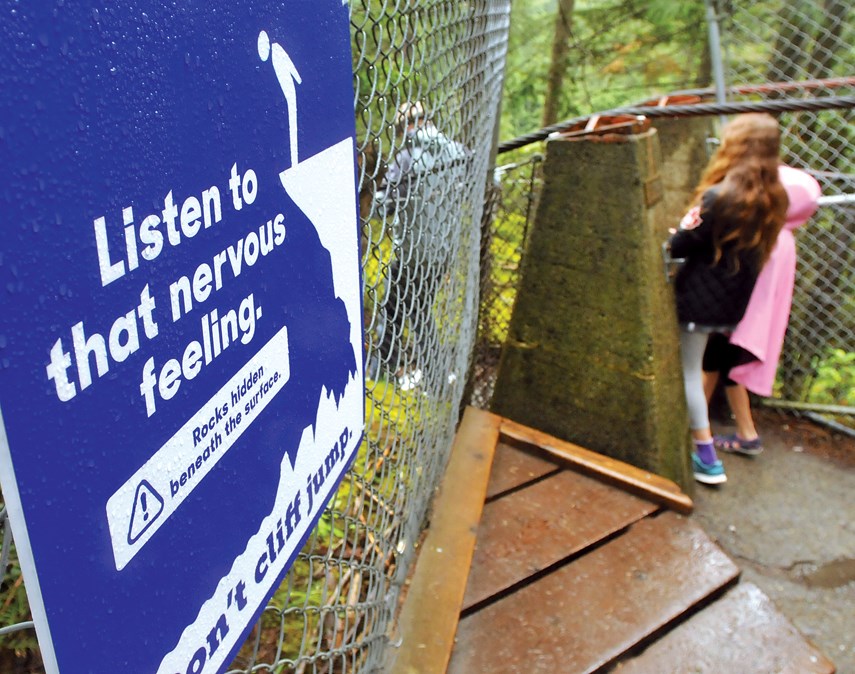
{"x": 764, "y": 324}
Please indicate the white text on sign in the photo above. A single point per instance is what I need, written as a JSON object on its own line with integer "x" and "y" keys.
{"x": 189, "y": 455}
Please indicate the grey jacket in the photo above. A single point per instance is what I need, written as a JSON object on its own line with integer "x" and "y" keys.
{"x": 423, "y": 193}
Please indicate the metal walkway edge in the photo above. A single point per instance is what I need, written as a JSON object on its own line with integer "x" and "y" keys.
{"x": 545, "y": 557}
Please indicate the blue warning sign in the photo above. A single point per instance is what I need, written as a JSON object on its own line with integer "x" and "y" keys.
{"x": 181, "y": 347}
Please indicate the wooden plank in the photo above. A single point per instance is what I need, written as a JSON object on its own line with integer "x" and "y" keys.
{"x": 514, "y": 467}
{"x": 532, "y": 529}
{"x": 586, "y": 614}
{"x": 429, "y": 618}
{"x": 642, "y": 482}
{"x": 741, "y": 632}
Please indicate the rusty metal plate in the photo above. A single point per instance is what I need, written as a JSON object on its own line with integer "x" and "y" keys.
{"x": 513, "y": 467}
{"x": 741, "y": 632}
{"x": 605, "y": 126}
{"x": 589, "y": 612}
{"x": 531, "y": 529}
{"x": 674, "y": 99}
{"x": 429, "y": 616}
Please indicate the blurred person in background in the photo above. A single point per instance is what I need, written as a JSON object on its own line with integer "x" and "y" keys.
{"x": 422, "y": 193}
{"x": 724, "y": 241}
{"x": 747, "y": 359}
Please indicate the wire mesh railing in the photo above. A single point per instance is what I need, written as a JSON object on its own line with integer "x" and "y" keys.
{"x": 507, "y": 218}
{"x": 428, "y": 77}
{"x": 808, "y": 42}
{"x": 817, "y": 363}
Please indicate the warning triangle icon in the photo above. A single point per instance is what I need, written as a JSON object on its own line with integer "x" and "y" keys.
{"x": 148, "y": 505}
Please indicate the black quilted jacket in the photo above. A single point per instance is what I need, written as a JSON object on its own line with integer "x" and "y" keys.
{"x": 707, "y": 295}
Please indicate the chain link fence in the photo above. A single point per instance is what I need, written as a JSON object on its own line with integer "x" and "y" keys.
{"x": 428, "y": 82}
{"x": 507, "y": 219}
{"x": 809, "y": 43}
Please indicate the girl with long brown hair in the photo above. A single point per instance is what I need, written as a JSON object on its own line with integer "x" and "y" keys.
{"x": 741, "y": 207}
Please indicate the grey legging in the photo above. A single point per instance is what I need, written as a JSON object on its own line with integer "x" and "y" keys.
{"x": 692, "y": 346}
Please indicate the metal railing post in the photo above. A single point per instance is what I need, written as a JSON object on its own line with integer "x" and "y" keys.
{"x": 716, "y": 54}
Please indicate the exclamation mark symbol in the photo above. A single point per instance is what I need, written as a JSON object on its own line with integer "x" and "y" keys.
{"x": 146, "y": 510}
{"x": 144, "y": 504}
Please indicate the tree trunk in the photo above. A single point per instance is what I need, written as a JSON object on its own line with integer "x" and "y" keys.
{"x": 788, "y": 54}
{"x": 828, "y": 40}
{"x": 826, "y": 46}
{"x": 705, "y": 76}
{"x": 558, "y": 64}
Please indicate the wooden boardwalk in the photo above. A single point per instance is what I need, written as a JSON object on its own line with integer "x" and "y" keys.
{"x": 545, "y": 557}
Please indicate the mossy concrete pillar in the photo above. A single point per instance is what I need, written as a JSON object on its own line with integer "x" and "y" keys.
{"x": 685, "y": 154}
{"x": 593, "y": 349}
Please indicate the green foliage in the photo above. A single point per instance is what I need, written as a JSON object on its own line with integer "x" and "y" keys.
{"x": 15, "y": 609}
{"x": 506, "y": 248}
{"x": 621, "y": 52}
{"x": 834, "y": 381}
{"x": 317, "y": 596}
{"x": 527, "y": 66}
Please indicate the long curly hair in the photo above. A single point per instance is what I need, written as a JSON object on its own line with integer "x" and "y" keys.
{"x": 751, "y": 204}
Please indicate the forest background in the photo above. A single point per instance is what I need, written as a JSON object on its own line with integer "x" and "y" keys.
{"x": 575, "y": 57}
{"x": 572, "y": 58}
